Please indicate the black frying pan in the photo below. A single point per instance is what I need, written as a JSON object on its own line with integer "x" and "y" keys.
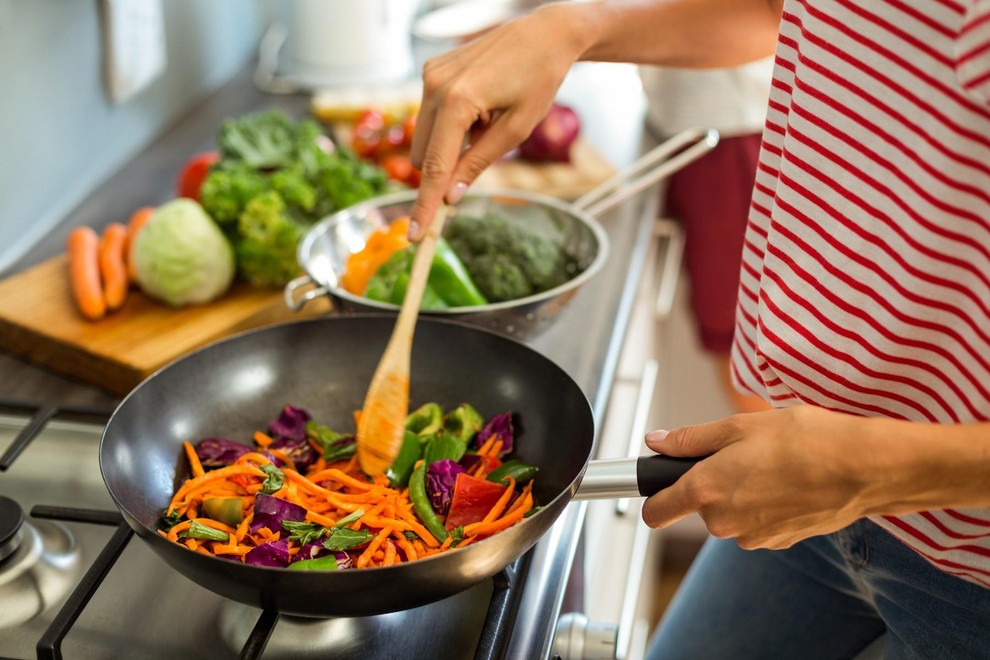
{"x": 233, "y": 388}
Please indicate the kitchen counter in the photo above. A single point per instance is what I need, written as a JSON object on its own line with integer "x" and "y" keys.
{"x": 583, "y": 339}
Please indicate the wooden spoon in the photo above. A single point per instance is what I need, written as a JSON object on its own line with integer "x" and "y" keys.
{"x": 383, "y": 417}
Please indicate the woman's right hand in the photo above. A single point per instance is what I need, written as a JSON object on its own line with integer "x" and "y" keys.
{"x": 484, "y": 98}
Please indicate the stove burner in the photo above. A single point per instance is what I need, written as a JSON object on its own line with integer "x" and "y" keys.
{"x": 38, "y": 565}
{"x": 11, "y": 519}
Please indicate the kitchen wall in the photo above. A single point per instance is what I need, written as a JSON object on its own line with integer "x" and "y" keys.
{"x": 60, "y": 136}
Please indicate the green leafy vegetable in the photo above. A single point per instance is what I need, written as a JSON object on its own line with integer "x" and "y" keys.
{"x": 304, "y": 532}
{"x": 283, "y": 162}
{"x": 181, "y": 256}
{"x": 170, "y": 520}
{"x": 274, "y": 481}
{"x": 344, "y": 539}
{"x": 198, "y": 530}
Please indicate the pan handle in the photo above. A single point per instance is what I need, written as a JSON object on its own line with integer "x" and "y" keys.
{"x": 614, "y": 478}
{"x": 293, "y": 286}
{"x": 688, "y": 145}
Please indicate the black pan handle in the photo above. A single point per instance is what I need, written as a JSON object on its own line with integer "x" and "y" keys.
{"x": 616, "y": 478}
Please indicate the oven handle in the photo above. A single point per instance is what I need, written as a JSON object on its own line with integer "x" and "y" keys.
{"x": 634, "y": 585}
{"x": 669, "y": 231}
{"x": 641, "y": 417}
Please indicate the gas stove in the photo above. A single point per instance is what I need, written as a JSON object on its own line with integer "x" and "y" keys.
{"x": 73, "y": 584}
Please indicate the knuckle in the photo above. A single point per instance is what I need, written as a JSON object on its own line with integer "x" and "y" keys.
{"x": 720, "y": 529}
{"x": 434, "y": 166}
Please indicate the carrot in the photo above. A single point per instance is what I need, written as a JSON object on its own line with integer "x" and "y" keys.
{"x": 134, "y": 225}
{"x": 194, "y": 462}
{"x": 113, "y": 266}
{"x": 502, "y": 502}
{"x": 84, "y": 272}
{"x": 263, "y": 440}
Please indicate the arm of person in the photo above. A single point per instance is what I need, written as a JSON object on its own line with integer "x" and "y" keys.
{"x": 491, "y": 92}
{"x": 778, "y": 477}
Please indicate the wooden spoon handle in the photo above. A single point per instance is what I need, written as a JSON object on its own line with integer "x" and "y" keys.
{"x": 386, "y": 405}
{"x": 422, "y": 262}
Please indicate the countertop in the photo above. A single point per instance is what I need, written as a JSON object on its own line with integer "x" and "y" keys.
{"x": 585, "y": 341}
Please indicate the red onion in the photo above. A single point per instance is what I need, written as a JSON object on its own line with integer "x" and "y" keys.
{"x": 552, "y": 138}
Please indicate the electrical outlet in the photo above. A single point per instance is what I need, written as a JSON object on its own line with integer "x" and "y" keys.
{"x": 134, "y": 43}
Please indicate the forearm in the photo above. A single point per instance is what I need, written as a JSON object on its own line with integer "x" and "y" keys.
{"x": 917, "y": 467}
{"x": 680, "y": 33}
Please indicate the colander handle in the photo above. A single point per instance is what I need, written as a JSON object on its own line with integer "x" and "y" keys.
{"x": 296, "y": 304}
{"x": 687, "y": 146}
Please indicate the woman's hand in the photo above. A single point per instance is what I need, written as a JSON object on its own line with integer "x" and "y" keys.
{"x": 484, "y": 98}
{"x": 773, "y": 479}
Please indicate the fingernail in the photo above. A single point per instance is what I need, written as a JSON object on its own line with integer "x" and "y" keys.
{"x": 456, "y": 192}
{"x": 413, "y": 230}
{"x": 656, "y": 437}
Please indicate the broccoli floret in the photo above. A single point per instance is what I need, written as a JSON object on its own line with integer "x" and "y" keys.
{"x": 262, "y": 140}
{"x": 509, "y": 259}
{"x": 267, "y": 239}
{"x": 293, "y": 187}
{"x": 499, "y": 277}
{"x": 227, "y": 190}
{"x": 343, "y": 182}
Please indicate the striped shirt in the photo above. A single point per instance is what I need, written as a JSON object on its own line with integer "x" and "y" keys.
{"x": 865, "y": 281}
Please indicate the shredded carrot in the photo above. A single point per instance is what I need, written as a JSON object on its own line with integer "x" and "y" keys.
{"x": 502, "y": 502}
{"x": 194, "y": 463}
{"x": 263, "y": 440}
{"x": 328, "y": 492}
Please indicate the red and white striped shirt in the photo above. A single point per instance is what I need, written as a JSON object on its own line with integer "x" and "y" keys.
{"x": 866, "y": 269}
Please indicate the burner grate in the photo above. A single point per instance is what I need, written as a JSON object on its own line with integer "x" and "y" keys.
{"x": 502, "y": 608}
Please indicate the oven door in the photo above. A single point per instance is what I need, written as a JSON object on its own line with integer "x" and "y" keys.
{"x": 622, "y": 554}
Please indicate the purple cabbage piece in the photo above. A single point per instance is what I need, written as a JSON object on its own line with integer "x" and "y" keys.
{"x": 501, "y": 427}
{"x": 290, "y": 425}
{"x": 440, "y": 478}
{"x": 276, "y": 461}
{"x": 312, "y": 550}
{"x": 289, "y": 434}
{"x": 274, "y": 554}
{"x": 271, "y": 511}
{"x": 220, "y": 452}
{"x": 469, "y": 461}
{"x": 344, "y": 560}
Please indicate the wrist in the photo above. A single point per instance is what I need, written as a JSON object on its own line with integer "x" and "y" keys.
{"x": 912, "y": 466}
{"x": 576, "y": 24}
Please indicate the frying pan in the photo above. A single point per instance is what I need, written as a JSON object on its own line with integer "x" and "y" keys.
{"x": 234, "y": 387}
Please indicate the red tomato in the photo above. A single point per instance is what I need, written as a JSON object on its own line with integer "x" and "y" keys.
{"x": 472, "y": 500}
{"x": 392, "y": 140}
{"x": 398, "y": 167}
{"x": 194, "y": 172}
{"x": 367, "y": 133}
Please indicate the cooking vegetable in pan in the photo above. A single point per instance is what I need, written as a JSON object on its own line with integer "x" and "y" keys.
{"x": 297, "y": 498}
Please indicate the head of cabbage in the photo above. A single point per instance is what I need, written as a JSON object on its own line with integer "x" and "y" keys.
{"x": 181, "y": 257}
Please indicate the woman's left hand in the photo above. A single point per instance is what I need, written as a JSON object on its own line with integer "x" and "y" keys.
{"x": 773, "y": 478}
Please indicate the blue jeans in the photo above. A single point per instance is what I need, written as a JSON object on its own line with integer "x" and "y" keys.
{"x": 827, "y": 597}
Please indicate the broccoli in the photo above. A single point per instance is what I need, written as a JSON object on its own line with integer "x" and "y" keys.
{"x": 266, "y": 242}
{"x": 291, "y": 184}
{"x": 344, "y": 181}
{"x": 276, "y": 177}
{"x": 499, "y": 277}
{"x": 227, "y": 190}
{"x": 509, "y": 259}
{"x": 262, "y": 140}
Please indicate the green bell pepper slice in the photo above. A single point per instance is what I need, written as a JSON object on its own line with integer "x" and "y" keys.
{"x": 328, "y": 563}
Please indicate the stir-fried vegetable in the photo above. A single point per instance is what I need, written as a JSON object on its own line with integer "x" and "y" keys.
{"x": 297, "y": 498}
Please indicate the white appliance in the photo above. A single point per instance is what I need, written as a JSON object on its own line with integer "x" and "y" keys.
{"x": 339, "y": 44}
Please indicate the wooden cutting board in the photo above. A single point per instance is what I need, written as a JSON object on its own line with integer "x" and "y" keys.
{"x": 566, "y": 181}
{"x": 39, "y": 322}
